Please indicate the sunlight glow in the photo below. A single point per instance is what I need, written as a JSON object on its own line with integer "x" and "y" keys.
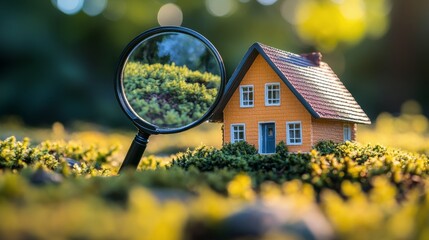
{"x": 170, "y": 15}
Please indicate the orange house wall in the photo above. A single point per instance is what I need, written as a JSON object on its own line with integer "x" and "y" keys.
{"x": 290, "y": 109}
{"x": 324, "y": 129}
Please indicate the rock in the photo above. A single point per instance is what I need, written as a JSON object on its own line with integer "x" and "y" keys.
{"x": 43, "y": 177}
{"x": 71, "y": 162}
{"x": 250, "y": 222}
{"x": 260, "y": 219}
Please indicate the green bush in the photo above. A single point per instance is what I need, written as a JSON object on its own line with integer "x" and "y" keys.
{"x": 169, "y": 95}
{"x": 239, "y": 148}
{"x": 282, "y": 149}
{"x": 329, "y": 168}
{"x": 242, "y": 157}
{"x": 326, "y": 147}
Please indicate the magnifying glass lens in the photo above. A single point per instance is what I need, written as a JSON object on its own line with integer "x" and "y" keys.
{"x": 169, "y": 80}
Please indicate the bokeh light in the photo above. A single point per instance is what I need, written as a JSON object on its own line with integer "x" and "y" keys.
{"x": 267, "y": 2}
{"x": 170, "y": 15}
{"x": 220, "y": 8}
{"x": 287, "y": 10}
{"x": 377, "y": 12}
{"x": 94, "y": 7}
{"x": 69, "y": 6}
{"x": 325, "y": 24}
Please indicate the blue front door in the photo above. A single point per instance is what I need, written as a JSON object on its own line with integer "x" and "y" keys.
{"x": 268, "y": 138}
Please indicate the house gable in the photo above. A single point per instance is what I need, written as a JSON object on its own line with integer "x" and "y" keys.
{"x": 312, "y": 82}
{"x": 290, "y": 109}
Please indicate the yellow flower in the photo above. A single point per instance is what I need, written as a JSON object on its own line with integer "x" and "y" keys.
{"x": 241, "y": 187}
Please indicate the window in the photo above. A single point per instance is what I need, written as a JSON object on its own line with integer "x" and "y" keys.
{"x": 272, "y": 94}
{"x": 293, "y": 133}
{"x": 237, "y": 133}
{"x": 347, "y": 132}
{"x": 246, "y": 96}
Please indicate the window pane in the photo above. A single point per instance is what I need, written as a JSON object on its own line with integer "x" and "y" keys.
{"x": 346, "y": 133}
{"x": 273, "y": 94}
{"x": 237, "y": 133}
{"x": 294, "y": 136}
{"x": 297, "y": 133}
{"x": 246, "y": 98}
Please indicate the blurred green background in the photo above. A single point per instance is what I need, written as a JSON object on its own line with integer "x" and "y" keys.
{"x": 58, "y": 58}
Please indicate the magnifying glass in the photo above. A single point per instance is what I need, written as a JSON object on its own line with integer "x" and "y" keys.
{"x": 169, "y": 79}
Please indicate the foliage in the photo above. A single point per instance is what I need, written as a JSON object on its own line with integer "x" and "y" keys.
{"x": 181, "y": 201}
{"x": 242, "y": 157}
{"x": 328, "y": 168}
{"x": 104, "y": 138}
{"x": 325, "y": 147}
{"x": 227, "y": 193}
{"x": 59, "y": 156}
{"x": 331, "y": 188}
{"x": 282, "y": 149}
{"x": 169, "y": 95}
{"x": 362, "y": 163}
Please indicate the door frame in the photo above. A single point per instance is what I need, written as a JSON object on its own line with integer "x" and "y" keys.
{"x": 260, "y": 137}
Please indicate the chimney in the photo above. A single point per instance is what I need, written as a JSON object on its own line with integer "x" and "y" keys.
{"x": 314, "y": 57}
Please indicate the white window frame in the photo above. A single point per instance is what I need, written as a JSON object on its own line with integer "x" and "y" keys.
{"x": 288, "y": 136}
{"x": 233, "y": 130}
{"x": 267, "y": 99}
{"x": 347, "y": 132}
{"x": 246, "y": 103}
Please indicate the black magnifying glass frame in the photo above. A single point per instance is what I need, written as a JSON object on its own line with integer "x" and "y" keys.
{"x": 145, "y": 128}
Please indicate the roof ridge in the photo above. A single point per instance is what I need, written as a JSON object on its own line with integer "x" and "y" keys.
{"x": 277, "y": 49}
{"x": 303, "y": 56}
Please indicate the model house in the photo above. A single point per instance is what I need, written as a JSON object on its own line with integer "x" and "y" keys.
{"x": 274, "y": 96}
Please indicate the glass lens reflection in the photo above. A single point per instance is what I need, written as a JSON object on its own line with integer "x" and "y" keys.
{"x": 171, "y": 80}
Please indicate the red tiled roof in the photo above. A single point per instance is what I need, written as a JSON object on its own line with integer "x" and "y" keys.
{"x": 312, "y": 81}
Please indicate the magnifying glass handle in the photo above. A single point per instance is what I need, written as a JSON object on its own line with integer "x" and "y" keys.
{"x": 135, "y": 153}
